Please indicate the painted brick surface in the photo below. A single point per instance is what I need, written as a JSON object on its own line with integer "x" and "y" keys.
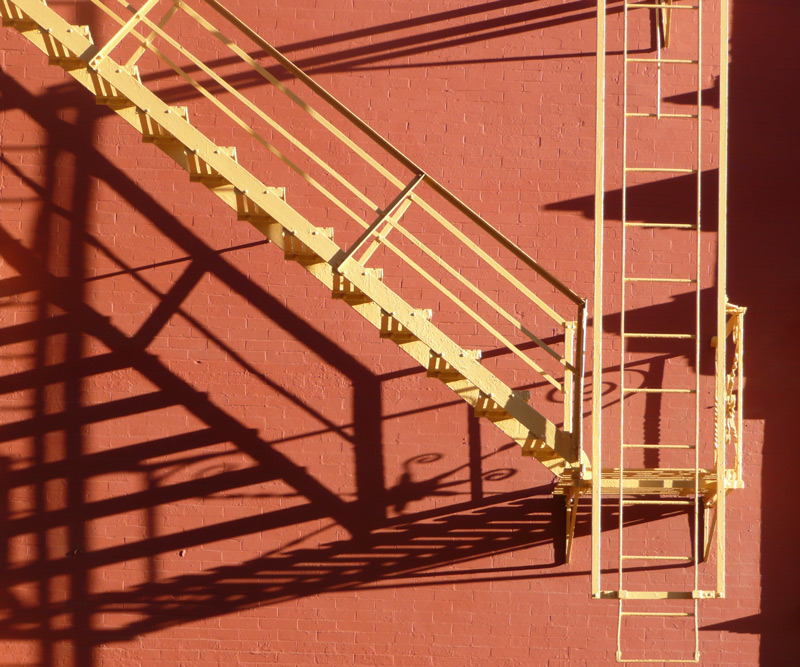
{"x": 208, "y": 461}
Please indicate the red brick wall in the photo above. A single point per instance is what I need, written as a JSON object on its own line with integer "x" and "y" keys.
{"x": 206, "y": 460}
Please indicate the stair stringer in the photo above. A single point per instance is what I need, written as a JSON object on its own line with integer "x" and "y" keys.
{"x": 538, "y": 436}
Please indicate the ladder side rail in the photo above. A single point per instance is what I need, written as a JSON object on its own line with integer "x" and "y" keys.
{"x": 623, "y": 261}
{"x": 696, "y": 498}
{"x": 597, "y": 306}
{"x": 722, "y": 298}
{"x": 697, "y": 555}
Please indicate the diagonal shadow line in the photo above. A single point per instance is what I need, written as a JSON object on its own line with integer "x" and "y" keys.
{"x": 339, "y": 429}
{"x": 366, "y": 403}
{"x": 168, "y": 306}
{"x": 444, "y": 38}
{"x": 323, "y": 64}
{"x": 192, "y": 245}
{"x": 124, "y": 458}
{"x": 161, "y": 544}
{"x": 364, "y": 58}
{"x": 54, "y": 373}
{"x": 15, "y": 286}
{"x": 161, "y": 495}
{"x": 25, "y": 331}
{"x": 395, "y": 26}
{"x": 396, "y": 556}
{"x": 427, "y": 41}
{"x": 455, "y": 536}
{"x": 175, "y": 389}
{"x": 87, "y": 414}
{"x": 18, "y": 285}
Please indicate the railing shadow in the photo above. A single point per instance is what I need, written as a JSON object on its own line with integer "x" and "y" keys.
{"x": 73, "y": 344}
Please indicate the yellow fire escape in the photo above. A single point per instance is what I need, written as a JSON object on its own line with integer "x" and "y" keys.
{"x": 110, "y": 72}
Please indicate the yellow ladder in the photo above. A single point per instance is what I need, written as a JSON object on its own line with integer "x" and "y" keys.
{"x": 673, "y": 606}
{"x": 342, "y": 270}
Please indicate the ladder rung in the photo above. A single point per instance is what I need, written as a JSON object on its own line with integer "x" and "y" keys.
{"x": 659, "y": 613}
{"x": 679, "y": 336}
{"x": 642, "y": 446}
{"x": 660, "y": 170}
{"x": 682, "y": 559}
{"x": 665, "y": 501}
{"x": 650, "y": 5}
{"x": 663, "y": 61}
{"x": 696, "y": 658}
{"x": 661, "y": 225}
{"x": 659, "y": 280}
{"x": 658, "y": 390}
{"x": 637, "y": 114}
{"x": 659, "y": 595}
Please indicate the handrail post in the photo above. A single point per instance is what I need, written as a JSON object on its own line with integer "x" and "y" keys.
{"x": 577, "y": 398}
{"x": 597, "y": 305}
{"x": 569, "y": 376}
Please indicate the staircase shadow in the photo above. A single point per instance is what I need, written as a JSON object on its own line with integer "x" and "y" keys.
{"x": 54, "y": 269}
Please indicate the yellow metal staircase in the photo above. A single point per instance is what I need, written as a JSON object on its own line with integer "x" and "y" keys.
{"x": 343, "y": 271}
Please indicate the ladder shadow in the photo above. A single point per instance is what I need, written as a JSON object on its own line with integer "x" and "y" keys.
{"x": 665, "y": 201}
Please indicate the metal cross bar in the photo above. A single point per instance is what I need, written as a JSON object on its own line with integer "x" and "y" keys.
{"x": 369, "y": 232}
{"x": 122, "y": 33}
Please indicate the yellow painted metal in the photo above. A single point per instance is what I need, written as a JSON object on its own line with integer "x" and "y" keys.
{"x": 597, "y": 306}
{"x": 348, "y": 211}
{"x": 720, "y": 388}
{"x": 659, "y": 595}
{"x": 385, "y": 215}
